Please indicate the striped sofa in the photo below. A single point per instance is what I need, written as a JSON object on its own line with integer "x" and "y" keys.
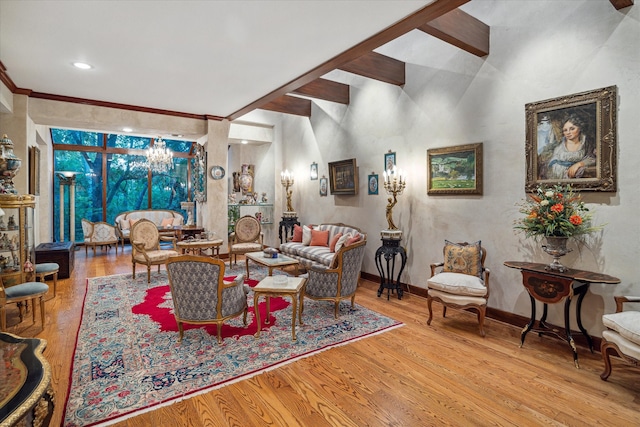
{"x": 318, "y": 256}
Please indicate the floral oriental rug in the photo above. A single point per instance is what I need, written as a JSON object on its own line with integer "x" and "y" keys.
{"x": 128, "y": 360}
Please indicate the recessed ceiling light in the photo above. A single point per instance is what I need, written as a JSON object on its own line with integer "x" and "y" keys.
{"x": 82, "y": 65}
{"x": 127, "y": 129}
{"x": 244, "y": 141}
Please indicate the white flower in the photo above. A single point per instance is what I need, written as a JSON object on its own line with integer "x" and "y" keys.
{"x": 549, "y": 193}
{"x": 544, "y": 202}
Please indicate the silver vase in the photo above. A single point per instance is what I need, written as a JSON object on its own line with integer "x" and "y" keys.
{"x": 556, "y": 247}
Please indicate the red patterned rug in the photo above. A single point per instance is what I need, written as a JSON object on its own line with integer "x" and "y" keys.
{"x": 128, "y": 360}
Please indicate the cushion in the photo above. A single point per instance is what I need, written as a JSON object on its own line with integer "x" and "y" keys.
{"x": 124, "y": 224}
{"x": 334, "y": 240}
{"x": 463, "y": 259}
{"x": 166, "y": 222}
{"x": 297, "y": 234}
{"x": 133, "y": 221}
{"x": 459, "y": 284}
{"x": 626, "y": 323}
{"x": 319, "y": 238}
{"x": 355, "y": 238}
{"x": 342, "y": 240}
{"x": 26, "y": 289}
{"x": 47, "y": 267}
{"x": 306, "y": 235}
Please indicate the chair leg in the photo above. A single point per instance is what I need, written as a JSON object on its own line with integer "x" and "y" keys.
{"x": 33, "y": 309}
{"x": 42, "y": 315}
{"x": 606, "y": 348}
{"x": 134, "y": 270}
{"x": 180, "y": 331}
{"x": 336, "y": 309}
{"x": 55, "y": 284}
{"x": 149, "y": 274}
{"x": 429, "y": 301}
{"x": 444, "y": 311}
{"x": 219, "y": 327}
{"x": 86, "y": 252}
{"x": 3, "y": 319}
{"x": 481, "y": 314}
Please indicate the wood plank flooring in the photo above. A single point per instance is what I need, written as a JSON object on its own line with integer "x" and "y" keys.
{"x": 416, "y": 375}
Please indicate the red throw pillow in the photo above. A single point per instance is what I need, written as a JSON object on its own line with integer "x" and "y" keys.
{"x": 297, "y": 234}
{"x": 353, "y": 240}
{"x": 334, "y": 240}
{"x": 319, "y": 238}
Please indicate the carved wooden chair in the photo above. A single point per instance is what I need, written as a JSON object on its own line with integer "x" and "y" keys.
{"x": 21, "y": 294}
{"x": 339, "y": 281}
{"x": 622, "y": 338}
{"x": 145, "y": 246}
{"x": 462, "y": 281}
{"x": 246, "y": 237}
{"x": 200, "y": 294}
{"x": 99, "y": 234}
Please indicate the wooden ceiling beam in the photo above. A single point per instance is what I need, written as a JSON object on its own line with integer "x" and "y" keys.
{"x": 327, "y": 90}
{"x": 376, "y": 66}
{"x": 461, "y": 30}
{"x": 289, "y": 105}
{"x": 621, "y": 4}
{"x": 426, "y": 14}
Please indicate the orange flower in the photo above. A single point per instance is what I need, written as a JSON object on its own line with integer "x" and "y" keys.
{"x": 575, "y": 219}
{"x": 557, "y": 208}
{"x": 533, "y": 215}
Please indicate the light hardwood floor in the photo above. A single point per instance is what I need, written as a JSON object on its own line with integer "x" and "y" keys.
{"x": 416, "y": 375}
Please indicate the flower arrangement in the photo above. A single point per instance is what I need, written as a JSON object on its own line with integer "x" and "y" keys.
{"x": 555, "y": 211}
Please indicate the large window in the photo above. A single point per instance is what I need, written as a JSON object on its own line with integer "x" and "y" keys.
{"x": 112, "y": 177}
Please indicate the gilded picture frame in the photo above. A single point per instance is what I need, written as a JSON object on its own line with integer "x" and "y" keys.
{"x": 573, "y": 140}
{"x": 455, "y": 170}
{"x": 343, "y": 177}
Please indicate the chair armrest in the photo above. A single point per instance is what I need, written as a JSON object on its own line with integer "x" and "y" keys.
{"x": 620, "y": 300}
{"x": 434, "y": 266}
{"x": 239, "y": 280}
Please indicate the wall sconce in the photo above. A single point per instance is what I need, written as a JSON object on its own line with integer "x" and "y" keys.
{"x": 287, "y": 179}
{"x": 314, "y": 171}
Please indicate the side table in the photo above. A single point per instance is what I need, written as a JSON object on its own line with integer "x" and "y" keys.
{"x": 286, "y": 225}
{"x": 551, "y": 287}
{"x": 293, "y": 287}
{"x": 389, "y": 249}
{"x": 26, "y": 394}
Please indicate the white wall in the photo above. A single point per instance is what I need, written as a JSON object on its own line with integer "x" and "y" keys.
{"x": 539, "y": 50}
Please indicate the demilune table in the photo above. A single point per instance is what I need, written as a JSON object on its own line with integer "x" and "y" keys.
{"x": 552, "y": 286}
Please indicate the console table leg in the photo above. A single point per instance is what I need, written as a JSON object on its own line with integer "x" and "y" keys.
{"x": 567, "y": 330}
{"x": 579, "y": 316}
{"x": 528, "y": 327}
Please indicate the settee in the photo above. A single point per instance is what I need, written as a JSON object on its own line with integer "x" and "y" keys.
{"x": 313, "y": 250}
{"x": 164, "y": 219}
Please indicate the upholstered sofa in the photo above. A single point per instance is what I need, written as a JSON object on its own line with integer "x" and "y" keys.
{"x": 314, "y": 250}
{"x": 162, "y": 218}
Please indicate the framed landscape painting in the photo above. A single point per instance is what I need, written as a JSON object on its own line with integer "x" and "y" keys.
{"x": 572, "y": 140}
{"x": 455, "y": 170}
{"x": 343, "y": 177}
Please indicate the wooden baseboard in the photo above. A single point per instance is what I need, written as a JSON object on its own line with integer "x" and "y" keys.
{"x": 499, "y": 315}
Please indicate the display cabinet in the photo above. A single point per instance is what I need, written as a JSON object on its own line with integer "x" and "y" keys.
{"x": 262, "y": 211}
{"x": 16, "y": 236}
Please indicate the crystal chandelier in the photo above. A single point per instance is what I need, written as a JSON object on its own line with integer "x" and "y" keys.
{"x": 159, "y": 157}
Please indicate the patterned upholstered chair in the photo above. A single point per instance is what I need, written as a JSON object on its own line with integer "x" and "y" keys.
{"x": 462, "y": 282}
{"x": 145, "y": 246}
{"x": 340, "y": 280}
{"x": 622, "y": 336}
{"x": 99, "y": 234}
{"x": 20, "y": 294}
{"x": 246, "y": 237}
{"x": 200, "y": 294}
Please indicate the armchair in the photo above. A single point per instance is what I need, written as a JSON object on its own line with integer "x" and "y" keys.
{"x": 246, "y": 237}
{"x": 99, "y": 234}
{"x": 463, "y": 281}
{"x": 201, "y": 296}
{"x": 19, "y": 294}
{"x": 339, "y": 281}
{"x": 622, "y": 337}
{"x": 145, "y": 246}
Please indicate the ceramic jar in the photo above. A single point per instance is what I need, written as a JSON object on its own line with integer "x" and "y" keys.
{"x": 9, "y": 166}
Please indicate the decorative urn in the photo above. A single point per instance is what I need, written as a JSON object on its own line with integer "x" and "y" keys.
{"x": 9, "y": 166}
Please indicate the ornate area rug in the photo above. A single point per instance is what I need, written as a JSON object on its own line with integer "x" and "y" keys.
{"x": 128, "y": 360}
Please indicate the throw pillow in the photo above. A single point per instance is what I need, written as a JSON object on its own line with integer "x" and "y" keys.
{"x": 297, "y": 234}
{"x": 355, "y": 238}
{"x": 319, "y": 238}
{"x": 306, "y": 235}
{"x": 166, "y": 222}
{"x": 465, "y": 259}
{"x": 133, "y": 221}
{"x": 334, "y": 240}
{"x": 342, "y": 240}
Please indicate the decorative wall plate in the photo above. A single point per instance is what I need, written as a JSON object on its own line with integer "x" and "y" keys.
{"x": 217, "y": 172}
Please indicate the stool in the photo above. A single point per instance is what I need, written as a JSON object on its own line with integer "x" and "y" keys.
{"x": 23, "y": 293}
{"x": 46, "y": 269}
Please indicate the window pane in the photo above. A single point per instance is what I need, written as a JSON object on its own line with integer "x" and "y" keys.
{"x": 178, "y": 146}
{"x": 76, "y": 137}
{"x": 126, "y": 184}
{"x": 169, "y": 189}
{"x": 128, "y": 141}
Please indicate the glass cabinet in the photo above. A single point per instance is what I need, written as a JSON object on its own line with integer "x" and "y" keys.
{"x": 262, "y": 211}
{"x": 16, "y": 236}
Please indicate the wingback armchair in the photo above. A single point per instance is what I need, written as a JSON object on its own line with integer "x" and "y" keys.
{"x": 461, "y": 281}
{"x": 246, "y": 237}
{"x": 99, "y": 234}
{"x": 622, "y": 336}
{"x": 145, "y": 246}
{"x": 200, "y": 294}
{"x": 340, "y": 280}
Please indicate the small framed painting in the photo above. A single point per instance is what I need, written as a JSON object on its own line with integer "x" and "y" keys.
{"x": 455, "y": 170}
{"x": 389, "y": 161}
{"x": 373, "y": 183}
{"x": 314, "y": 171}
{"x": 343, "y": 177}
{"x": 324, "y": 183}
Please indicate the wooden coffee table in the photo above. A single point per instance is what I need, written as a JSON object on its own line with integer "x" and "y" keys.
{"x": 269, "y": 288}
{"x": 271, "y": 263}
{"x": 196, "y": 246}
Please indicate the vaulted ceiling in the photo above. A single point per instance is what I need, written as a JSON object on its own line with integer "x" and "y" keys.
{"x": 218, "y": 59}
